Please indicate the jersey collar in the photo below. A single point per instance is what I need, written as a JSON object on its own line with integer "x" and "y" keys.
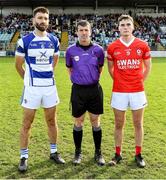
{"x": 84, "y": 47}
{"x": 127, "y": 44}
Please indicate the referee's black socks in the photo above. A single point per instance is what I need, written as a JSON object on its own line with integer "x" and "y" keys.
{"x": 97, "y": 135}
{"x": 77, "y": 136}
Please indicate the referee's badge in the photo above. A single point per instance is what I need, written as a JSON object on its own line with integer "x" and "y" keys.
{"x": 76, "y": 58}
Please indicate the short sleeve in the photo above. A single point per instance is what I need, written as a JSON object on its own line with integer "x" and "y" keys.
{"x": 146, "y": 54}
{"x": 109, "y": 53}
{"x": 20, "y": 51}
{"x": 101, "y": 56}
{"x": 56, "y": 45}
{"x": 68, "y": 58}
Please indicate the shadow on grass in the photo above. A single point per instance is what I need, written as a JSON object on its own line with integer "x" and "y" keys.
{"x": 88, "y": 169}
{"x": 126, "y": 170}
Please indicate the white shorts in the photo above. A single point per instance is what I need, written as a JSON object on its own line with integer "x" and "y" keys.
{"x": 34, "y": 97}
{"x": 122, "y": 101}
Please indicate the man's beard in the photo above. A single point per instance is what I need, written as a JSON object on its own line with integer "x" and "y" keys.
{"x": 41, "y": 28}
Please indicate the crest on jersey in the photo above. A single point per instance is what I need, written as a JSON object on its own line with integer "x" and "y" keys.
{"x": 139, "y": 52}
{"x": 76, "y": 58}
{"x": 128, "y": 52}
{"x": 42, "y": 45}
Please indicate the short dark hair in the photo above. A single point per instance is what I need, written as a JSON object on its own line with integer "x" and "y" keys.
{"x": 125, "y": 17}
{"x": 40, "y": 9}
{"x": 82, "y": 23}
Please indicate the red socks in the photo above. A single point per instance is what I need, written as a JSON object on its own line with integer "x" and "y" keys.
{"x": 138, "y": 150}
{"x": 118, "y": 150}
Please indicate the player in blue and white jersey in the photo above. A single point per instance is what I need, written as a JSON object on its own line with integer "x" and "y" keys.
{"x": 39, "y": 52}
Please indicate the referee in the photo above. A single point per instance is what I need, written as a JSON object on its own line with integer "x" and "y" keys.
{"x": 84, "y": 61}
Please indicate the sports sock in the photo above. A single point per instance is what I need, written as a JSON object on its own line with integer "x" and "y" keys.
{"x": 24, "y": 153}
{"x": 97, "y": 136}
{"x": 53, "y": 148}
{"x": 118, "y": 150}
{"x": 77, "y": 136}
{"x": 138, "y": 150}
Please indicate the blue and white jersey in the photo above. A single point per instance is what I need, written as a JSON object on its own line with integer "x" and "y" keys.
{"x": 38, "y": 53}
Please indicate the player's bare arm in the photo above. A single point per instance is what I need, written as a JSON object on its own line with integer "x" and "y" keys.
{"x": 147, "y": 68}
{"x": 55, "y": 61}
{"x": 19, "y": 66}
{"x": 111, "y": 68}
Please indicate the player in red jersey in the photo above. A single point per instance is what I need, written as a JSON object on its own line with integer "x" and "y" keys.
{"x": 129, "y": 64}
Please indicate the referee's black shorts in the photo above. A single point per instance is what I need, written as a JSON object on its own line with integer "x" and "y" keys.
{"x": 86, "y": 98}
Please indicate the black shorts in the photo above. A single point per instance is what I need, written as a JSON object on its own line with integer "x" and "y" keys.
{"x": 86, "y": 98}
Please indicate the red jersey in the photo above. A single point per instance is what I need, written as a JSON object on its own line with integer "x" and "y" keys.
{"x": 128, "y": 64}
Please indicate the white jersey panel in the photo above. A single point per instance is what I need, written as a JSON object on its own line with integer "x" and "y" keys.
{"x": 41, "y": 68}
{"x": 42, "y": 82}
{"x": 27, "y": 76}
{"x": 40, "y": 52}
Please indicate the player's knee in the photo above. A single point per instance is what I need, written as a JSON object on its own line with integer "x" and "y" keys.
{"x": 118, "y": 126}
{"x": 138, "y": 125}
{"x": 78, "y": 124}
{"x": 51, "y": 122}
{"x": 77, "y": 128}
{"x": 95, "y": 123}
{"x": 26, "y": 127}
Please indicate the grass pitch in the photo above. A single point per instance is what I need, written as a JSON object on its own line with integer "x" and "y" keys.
{"x": 40, "y": 166}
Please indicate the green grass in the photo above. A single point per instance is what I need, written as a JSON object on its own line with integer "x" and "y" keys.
{"x": 40, "y": 166}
